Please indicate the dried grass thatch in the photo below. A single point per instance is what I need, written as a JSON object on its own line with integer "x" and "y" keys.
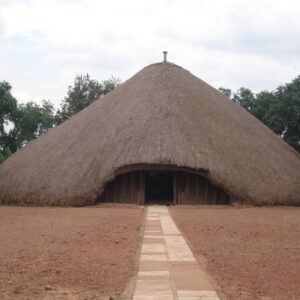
{"x": 164, "y": 116}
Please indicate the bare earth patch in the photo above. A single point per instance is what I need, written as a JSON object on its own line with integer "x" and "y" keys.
{"x": 67, "y": 253}
{"x": 250, "y": 253}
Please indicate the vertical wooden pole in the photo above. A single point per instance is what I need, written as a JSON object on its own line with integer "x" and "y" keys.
{"x": 175, "y": 188}
{"x": 205, "y": 192}
{"x": 142, "y": 187}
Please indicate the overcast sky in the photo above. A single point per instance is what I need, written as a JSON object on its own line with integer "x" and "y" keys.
{"x": 45, "y": 43}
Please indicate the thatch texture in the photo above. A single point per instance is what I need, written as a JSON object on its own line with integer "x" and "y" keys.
{"x": 164, "y": 116}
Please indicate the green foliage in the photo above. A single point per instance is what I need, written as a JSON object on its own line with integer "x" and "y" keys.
{"x": 8, "y": 111}
{"x": 279, "y": 109}
{"x": 84, "y": 92}
{"x": 266, "y": 109}
{"x": 32, "y": 121}
{"x": 245, "y": 98}
{"x": 21, "y": 123}
{"x": 288, "y": 110}
{"x": 226, "y": 92}
{"x": 4, "y": 154}
{"x": 8, "y": 108}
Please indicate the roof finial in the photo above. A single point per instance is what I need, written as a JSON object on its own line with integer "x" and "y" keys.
{"x": 165, "y": 55}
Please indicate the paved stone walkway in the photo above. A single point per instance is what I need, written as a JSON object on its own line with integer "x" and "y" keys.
{"x": 168, "y": 269}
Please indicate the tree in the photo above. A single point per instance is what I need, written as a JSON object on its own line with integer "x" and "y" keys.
{"x": 4, "y": 154}
{"x": 226, "y": 92}
{"x": 21, "y": 123}
{"x": 245, "y": 98}
{"x": 32, "y": 121}
{"x": 267, "y": 110}
{"x": 84, "y": 92}
{"x": 279, "y": 109}
{"x": 8, "y": 109}
{"x": 288, "y": 110}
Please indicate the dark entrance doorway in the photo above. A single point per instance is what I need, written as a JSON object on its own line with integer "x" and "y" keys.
{"x": 159, "y": 187}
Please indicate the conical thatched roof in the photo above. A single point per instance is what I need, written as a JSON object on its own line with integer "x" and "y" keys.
{"x": 165, "y": 116}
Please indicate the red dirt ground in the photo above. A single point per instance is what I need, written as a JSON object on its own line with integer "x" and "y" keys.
{"x": 250, "y": 253}
{"x": 67, "y": 253}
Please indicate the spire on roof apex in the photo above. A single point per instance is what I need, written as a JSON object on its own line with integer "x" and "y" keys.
{"x": 165, "y": 55}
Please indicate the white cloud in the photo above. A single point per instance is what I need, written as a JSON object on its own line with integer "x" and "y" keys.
{"x": 44, "y": 44}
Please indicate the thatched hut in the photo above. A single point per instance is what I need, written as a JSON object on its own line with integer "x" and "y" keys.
{"x": 164, "y": 135}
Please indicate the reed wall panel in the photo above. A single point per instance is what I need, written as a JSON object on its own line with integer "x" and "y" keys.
{"x": 194, "y": 189}
{"x": 126, "y": 188}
